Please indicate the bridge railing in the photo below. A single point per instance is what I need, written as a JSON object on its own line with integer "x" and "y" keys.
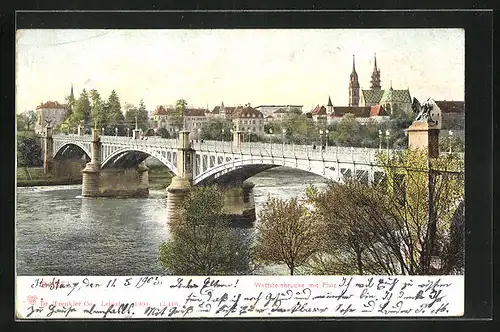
{"x": 275, "y": 150}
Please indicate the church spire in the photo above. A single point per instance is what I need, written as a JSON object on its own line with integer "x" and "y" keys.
{"x": 353, "y": 86}
{"x": 375, "y": 81}
{"x": 71, "y": 95}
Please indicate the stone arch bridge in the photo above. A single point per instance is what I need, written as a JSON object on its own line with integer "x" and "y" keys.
{"x": 219, "y": 161}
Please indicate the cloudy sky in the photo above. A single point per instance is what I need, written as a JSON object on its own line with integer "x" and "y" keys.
{"x": 302, "y": 66}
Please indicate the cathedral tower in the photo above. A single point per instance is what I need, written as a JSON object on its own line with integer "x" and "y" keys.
{"x": 375, "y": 82}
{"x": 353, "y": 86}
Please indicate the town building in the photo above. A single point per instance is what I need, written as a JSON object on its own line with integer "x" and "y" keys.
{"x": 165, "y": 117}
{"x": 50, "y": 113}
{"x": 270, "y": 109}
{"x": 248, "y": 120}
{"x": 362, "y": 114}
{"x": 222, "y": 112}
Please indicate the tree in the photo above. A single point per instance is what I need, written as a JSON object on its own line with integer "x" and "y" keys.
{"x": 163, "y": 132}
{"x": 177, "y": 119}
{"x": 287, "y": 233}
{"x": 133, "y": 113}
{"x": 113, "y": 110}
{"x": 97, "y": 109}
{"x": 29, "y": 152}
{"x": 81, "y": 112}
{"x": 202, "y": 243}
{"x": 401, "y": 225}
{"x": 212, "y": 130}
{"x": 349, "y": 131}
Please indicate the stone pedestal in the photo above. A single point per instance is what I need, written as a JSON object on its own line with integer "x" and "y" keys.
{"x": 176, "y": 193}
{"x": 90, "y": 180}
{"x": 248, "y": 200}
{"x": 91, "y": 172}
{"x": 48, "y": 163}
{"x": 143, "y": 175}
{"x": 136, "y": 134}
{"x": 237, "y": 138}
{"x": 425, "y": 136}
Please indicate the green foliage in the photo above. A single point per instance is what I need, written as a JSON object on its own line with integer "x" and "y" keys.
{"x": 81, "y": 114}
{"x": 113, "y": 110}
{"x": 288, "y": 233}
{"x": 212, "y": 130}
{"x": 29, "y": 151}
{"x": 202, "y": 242}
{"x": 26, "y": 120}
{"x": 131, "y": 112}
{"x": 453, "y": 144}
{"x": 97, "y": 109}
{"x": 397, "y": 226}
{"x": 299, "y": 129}
{"x": 163, "y": 133}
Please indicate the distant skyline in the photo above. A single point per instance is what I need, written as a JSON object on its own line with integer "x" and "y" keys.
{"x": 257, "y": 66}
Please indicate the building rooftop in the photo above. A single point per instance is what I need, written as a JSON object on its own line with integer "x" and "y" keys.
{"x": 451, "y": 106}
{"x": 51, "y": 104}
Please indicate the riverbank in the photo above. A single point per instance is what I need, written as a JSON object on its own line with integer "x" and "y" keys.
{"x": 34, "y": 177}
{"x": 159, "y": 178}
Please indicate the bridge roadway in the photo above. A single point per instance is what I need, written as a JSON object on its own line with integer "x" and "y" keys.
{"x": 216, "y": 158}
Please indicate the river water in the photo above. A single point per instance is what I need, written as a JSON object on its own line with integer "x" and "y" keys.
{"x": 60, "y": 233}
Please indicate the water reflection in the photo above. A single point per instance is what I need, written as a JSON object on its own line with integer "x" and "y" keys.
{"x": 60, "y": 233}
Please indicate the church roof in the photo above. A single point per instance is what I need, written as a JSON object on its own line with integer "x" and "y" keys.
{"x": 399, "y": 96}
{"x": 451, "y": 106}
{"x": 319, "y": 110}
{"x": 372, "y": 96}
{"x": 378, "y": 110}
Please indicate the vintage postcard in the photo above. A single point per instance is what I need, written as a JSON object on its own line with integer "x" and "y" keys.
{"x": 240, "y": 173}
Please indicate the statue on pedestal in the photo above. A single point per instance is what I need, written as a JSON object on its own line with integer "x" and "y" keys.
{"x": 423, "y": 111}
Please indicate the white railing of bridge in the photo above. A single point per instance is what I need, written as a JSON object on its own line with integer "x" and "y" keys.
{"x": 275, "y": 150}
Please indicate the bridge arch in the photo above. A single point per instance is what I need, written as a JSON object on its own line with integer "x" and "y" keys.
{"x": 83, "y": 147}
{"x": 168, "y": 161}
{"x": 252, "y": 168}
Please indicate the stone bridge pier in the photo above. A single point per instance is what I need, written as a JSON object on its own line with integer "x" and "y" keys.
{"x": 48, "y": 159}
{"x": 181, "y": 183}
{"x": 92, "y": 171}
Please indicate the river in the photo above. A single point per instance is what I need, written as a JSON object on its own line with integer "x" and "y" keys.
{"x": 60, "y": 233}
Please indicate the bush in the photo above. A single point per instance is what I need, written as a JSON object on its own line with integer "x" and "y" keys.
{"x": 29, "y": 152}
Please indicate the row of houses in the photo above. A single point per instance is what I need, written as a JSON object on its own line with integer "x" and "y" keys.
{"x": 244, "y": 118}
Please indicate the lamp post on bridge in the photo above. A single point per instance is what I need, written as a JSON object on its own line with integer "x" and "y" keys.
{"x": 271, "y": 140}
{"x": 326, "y": 139}
{"x": 283, "y": 141}
{"x": 232, "y": 132}
{"x": 321, "y": 138}
{"x": 450, "y": 137}
{"x": 199, "y": 132}
{"x": 222, "y": 139}
{"x": 128, "y": 132}
{"x": 102, "y": 131}
{"x": 116, "y": 131}
{"x": 380, "y": 140}
{"x": 387, "y": 134}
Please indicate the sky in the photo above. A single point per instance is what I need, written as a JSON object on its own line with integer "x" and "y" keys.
{"x": 257, "y": 66}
